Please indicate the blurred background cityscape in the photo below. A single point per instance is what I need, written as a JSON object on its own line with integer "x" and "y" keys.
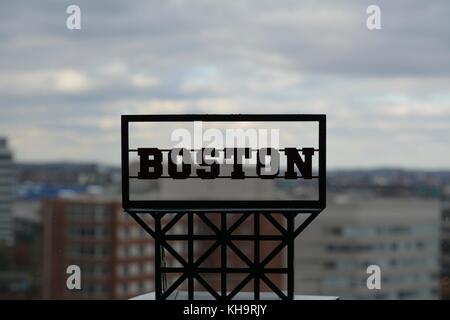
{"x": 386, "y": 94}
{"x": 57, "y": 214}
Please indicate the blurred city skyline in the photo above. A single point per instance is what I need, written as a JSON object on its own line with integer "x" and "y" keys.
{"x": 386, "y": 93}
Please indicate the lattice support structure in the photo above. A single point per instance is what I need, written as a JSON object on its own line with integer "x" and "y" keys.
{"x": 222, "y": 238}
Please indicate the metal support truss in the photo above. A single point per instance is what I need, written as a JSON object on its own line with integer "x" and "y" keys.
{"x": 222, "y": 238}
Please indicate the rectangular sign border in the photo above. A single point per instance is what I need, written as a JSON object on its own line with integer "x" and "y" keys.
{"x": 223, "y": 205}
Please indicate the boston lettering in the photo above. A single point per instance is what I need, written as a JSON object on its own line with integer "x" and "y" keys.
{"x": 233, "y": 163}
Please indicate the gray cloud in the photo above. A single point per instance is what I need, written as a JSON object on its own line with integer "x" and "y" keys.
{"x": 382, "y": 90}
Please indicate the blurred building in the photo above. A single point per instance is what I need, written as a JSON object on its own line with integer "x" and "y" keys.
{"x": 27, "y": 231}
{"x": 400, "y": 235}
{"x": 6, "y": 193}
{"x": 115, "y": 255}
{"x": 21, "y": 279}
{"x": 16, "y": 285}
{"x": 445, "y": 244}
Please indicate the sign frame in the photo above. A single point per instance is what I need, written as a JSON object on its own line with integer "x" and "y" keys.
{"x": 298, "y": 206}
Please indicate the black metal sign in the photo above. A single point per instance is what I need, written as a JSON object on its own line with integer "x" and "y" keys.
{"x": 224, "y": 162}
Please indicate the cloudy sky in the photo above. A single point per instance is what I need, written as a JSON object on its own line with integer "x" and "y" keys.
{"x": 386, "y": 93}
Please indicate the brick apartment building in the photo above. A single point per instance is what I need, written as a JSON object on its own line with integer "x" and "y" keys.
{"x": 115, "y": 255}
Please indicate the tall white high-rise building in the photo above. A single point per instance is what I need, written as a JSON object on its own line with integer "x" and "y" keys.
{"x": 400, "y": 235}
{"x": 6, "y": 192}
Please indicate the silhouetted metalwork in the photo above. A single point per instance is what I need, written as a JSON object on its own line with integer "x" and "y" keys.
{"x": 223, "y": 236}
{"x": 256, "y": 267}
